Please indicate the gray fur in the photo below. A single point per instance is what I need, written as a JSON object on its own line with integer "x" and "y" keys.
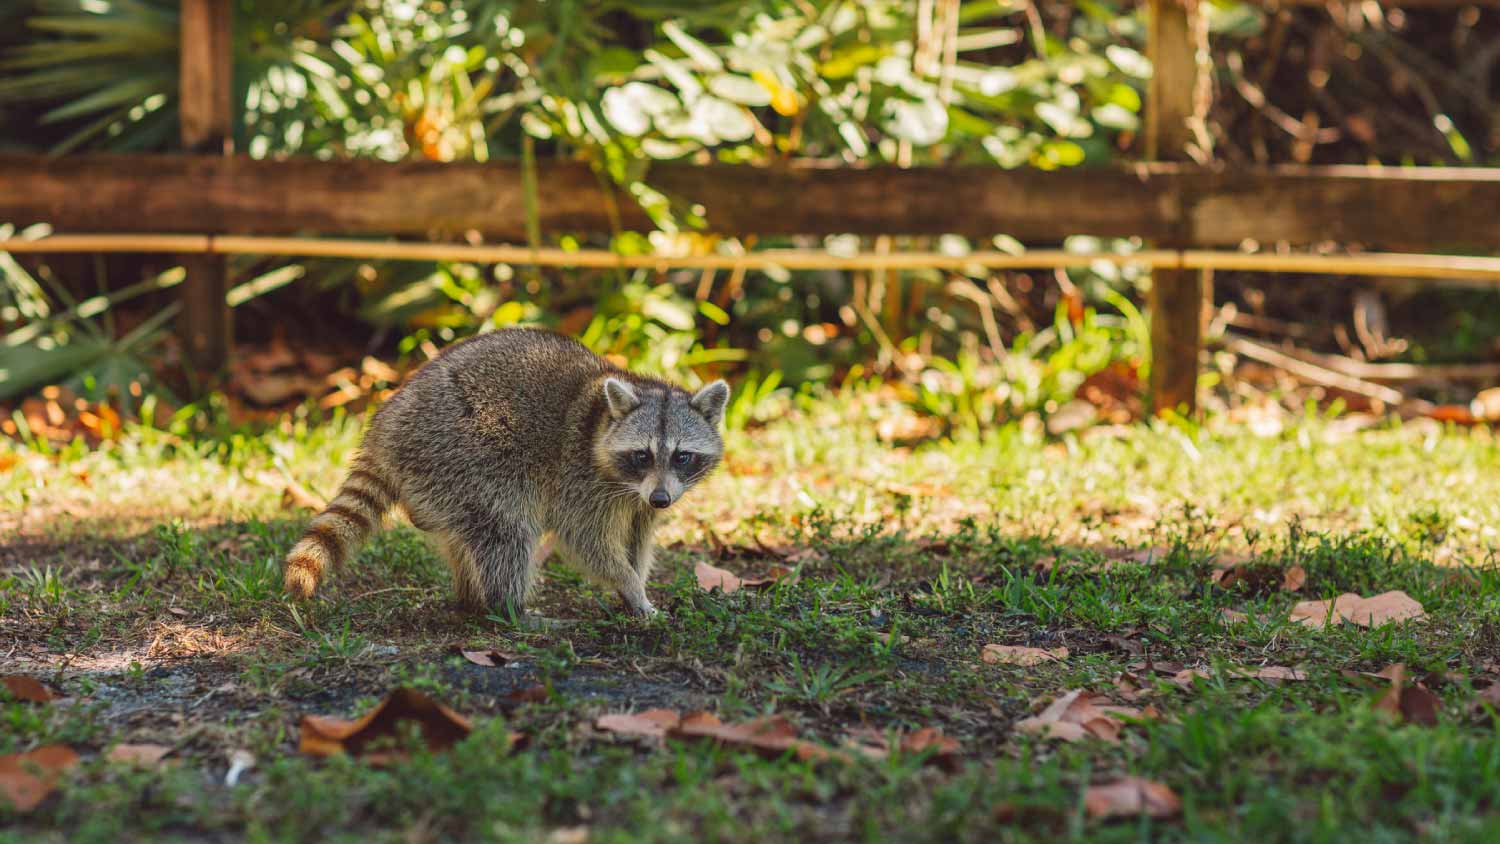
{"x": 511, "y": 435}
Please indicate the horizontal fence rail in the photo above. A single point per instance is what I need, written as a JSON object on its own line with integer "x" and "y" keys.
{"x": 1453, "y": 267}
{"x": 1402, "y": 209}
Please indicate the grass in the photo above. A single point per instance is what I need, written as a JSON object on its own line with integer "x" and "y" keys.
{"x": 142, "y": 579}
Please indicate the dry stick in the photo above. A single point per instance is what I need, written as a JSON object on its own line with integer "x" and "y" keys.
{"x": 966, "y": 289}
{"x": 1312, "y": 372}
{"x": 1398, "y": 372}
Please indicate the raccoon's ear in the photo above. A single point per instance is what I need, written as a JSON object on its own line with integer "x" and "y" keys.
{"x": 621, "y": 396}
{"x": 710, "y": 401}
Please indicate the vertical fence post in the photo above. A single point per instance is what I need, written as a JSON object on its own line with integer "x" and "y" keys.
{"x": 1176, "y": 298}
{"x": 205, "y": 105}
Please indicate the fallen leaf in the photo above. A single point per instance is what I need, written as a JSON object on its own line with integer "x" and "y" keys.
{"x": 440, "y": 727}
{"x": 771, "y": 736}
{"x": 1188, "y": 676}
{"x": 138, "y": 754}
{"x": 1278, "y": 672}
{"x": 27, "y": 778}
{"x": 1385, "y": 608}
{"x": 712, "y": 577}
{"x": 1293, "y": 579}
{"x": 1259, "y": 576}
{"x": 1233, "y": 616}
{"x": 29, "y": 689}
{"x": 1366, "y": 612}
{"x": 488, "y": 658}
{"x": 529, "y": 694}
{"x": 1408, "y": 702}
{"x": 773, "y": 574}
{"x": 1020, "y": 655}
{"x": 944, "y": 748}
{"x": 1078, "y": 715}
{"x": 652, "y": 723}
{"x": 1130, "y": 797}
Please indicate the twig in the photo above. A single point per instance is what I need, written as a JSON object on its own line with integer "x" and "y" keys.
{"x": 372, "y": 593}
{"x": 1398, "y": 372}
{"x": 1312, "y": 372}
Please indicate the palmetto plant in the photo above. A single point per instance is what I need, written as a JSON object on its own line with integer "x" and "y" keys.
{"x": 103, "y": 73}
{"x": 619, "y": 83}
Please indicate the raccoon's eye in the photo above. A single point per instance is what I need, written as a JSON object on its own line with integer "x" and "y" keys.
{"x": 640, "y": 458}
{"x": 684, "y": 460}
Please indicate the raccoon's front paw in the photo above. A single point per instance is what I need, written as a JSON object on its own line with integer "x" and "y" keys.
{"x": 640, "y": 607}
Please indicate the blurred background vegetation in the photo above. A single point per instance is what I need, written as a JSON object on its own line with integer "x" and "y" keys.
{"x": 624, "y": 83}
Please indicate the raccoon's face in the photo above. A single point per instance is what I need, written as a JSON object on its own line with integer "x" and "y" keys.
{"x": 659, "y": 442}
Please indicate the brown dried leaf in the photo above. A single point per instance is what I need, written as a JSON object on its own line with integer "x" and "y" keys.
{"x": 1020, "y": 655}
{"x": 1233, "y": 616}
{"x": 1259, "y": 576}
{"x": 1130, "y": 797}
{"x": 652, "y": 723}
{"x": 770, "y": 736}
{"x": 712, "y": 577}
{"x": 1078, "y": 715}
{"x": 528, "y": 694}
{"x": 1187, "y": 676}
{"x": 488, "y": 658}
{"x": 440, "y": 727}
{"x": 29, "y": 689}
{"x": 944, "y": 748}
{"x": 1293, "y": 579}
{"x": 1276, "y": 672}
{"x": 27, "y": 778}
{"x": 1413, "y": 703}
{"x": 138, "y": 754}
{"x": 1385, "y": 608}
{"x": 1366, "y": 612}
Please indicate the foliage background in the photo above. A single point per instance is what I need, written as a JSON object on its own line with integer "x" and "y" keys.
{"x": 624, "y": 84}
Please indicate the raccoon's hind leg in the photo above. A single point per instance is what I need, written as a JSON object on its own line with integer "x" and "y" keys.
{"x": 493, "y": 566}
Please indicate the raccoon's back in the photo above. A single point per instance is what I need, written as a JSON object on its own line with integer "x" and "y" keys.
{"x": 516, "y": 390}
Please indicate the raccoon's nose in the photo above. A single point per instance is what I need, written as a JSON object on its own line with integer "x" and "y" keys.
{"x": 660, "y": 499}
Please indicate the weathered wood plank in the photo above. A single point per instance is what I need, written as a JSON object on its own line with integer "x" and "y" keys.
{"x": 206, "y": 117}
{"x": 1410, "y": 209}
{"x": 1176, "y": 296}
{"x": 205, "y": 66}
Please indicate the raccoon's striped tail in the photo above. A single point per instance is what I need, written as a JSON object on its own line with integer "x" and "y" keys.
{"x": 337, "y": 532}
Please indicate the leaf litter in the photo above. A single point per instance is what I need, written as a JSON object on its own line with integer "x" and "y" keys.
{"x": 27, "y": 778}
{"x": 372, "y": 736}
{"x": 713, "y": 577}
{"x": 1410, "y": 702}
{"x": 1130, "y": 797}
{"x": 1081, "y": 714}
{"x": 1374, "y": 611}
{"x": 29, "y": 689}
{"x": 1021, "y": 655}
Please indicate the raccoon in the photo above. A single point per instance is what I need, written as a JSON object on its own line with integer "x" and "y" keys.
{"x": 512, "y": 435}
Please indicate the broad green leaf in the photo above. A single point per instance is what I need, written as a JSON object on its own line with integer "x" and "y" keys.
{"x": 624, "y": 112}
{"x": 1115, "y": 117}
{"x": 696, "y": 50}
{"x": 739, "y": 89}
{"x": 1129, "y": 61}
{"x": 923, "y": 123}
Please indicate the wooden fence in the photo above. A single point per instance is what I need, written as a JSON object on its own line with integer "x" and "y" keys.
{"x": 1176, "y": 206}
